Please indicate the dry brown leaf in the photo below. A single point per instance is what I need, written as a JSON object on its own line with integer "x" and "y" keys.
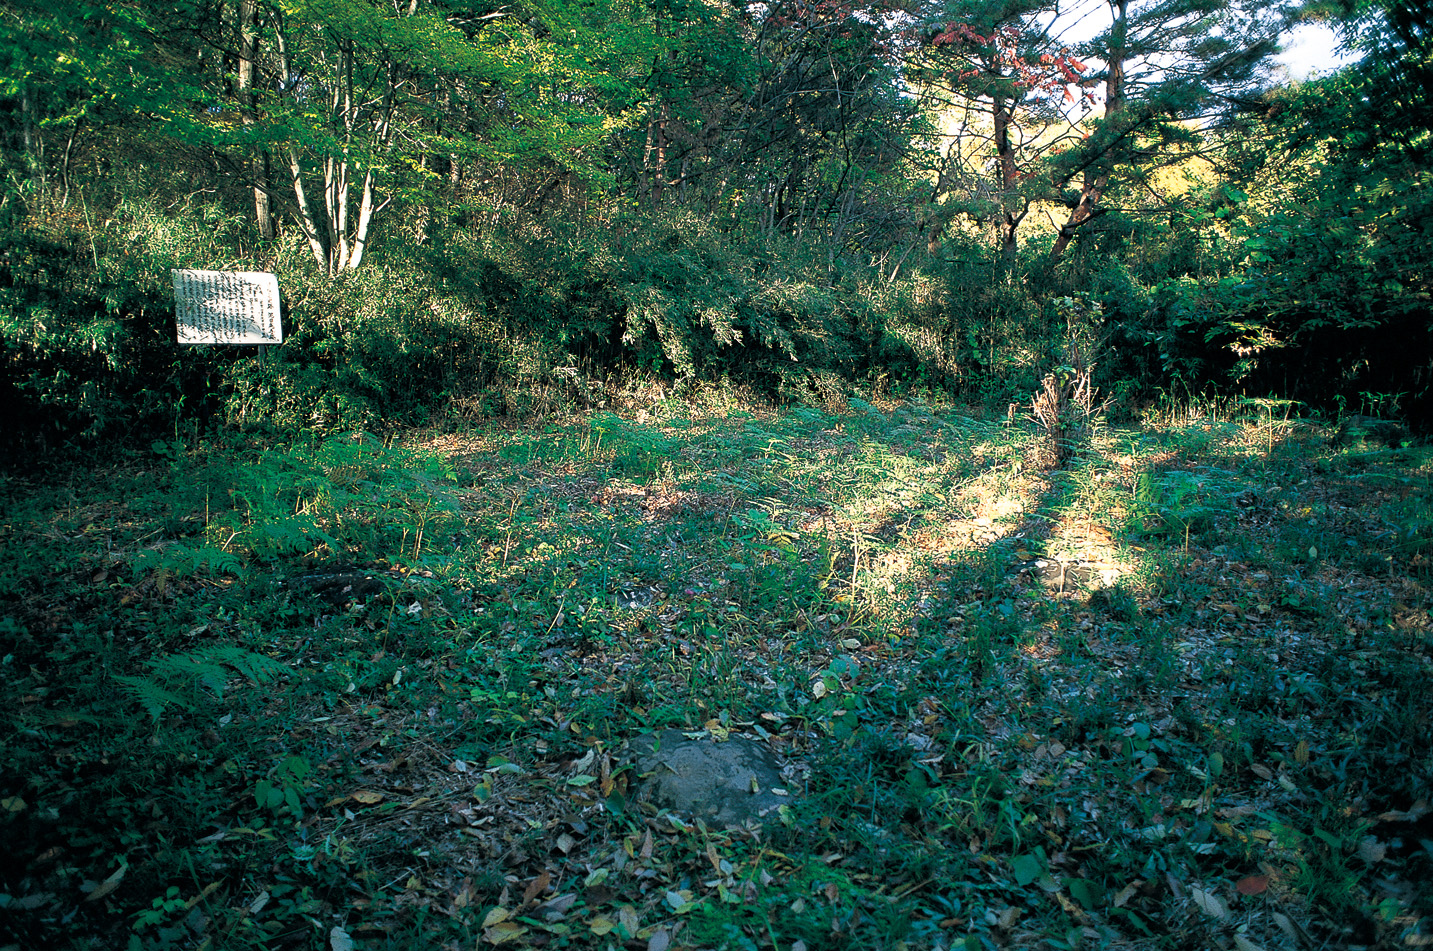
{"x": 535, "y": 888}
{"x": 107, "y": 886}
{"x": 1415, "y": 812}
{"x": 1252, "y": 885}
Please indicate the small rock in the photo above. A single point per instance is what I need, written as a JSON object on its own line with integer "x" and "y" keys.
{"x": 723, "y": 784}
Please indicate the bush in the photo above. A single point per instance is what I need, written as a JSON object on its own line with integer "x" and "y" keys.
{"x": 87, "y": 336}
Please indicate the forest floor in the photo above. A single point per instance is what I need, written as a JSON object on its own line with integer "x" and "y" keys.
{"x": 357, "y": 693}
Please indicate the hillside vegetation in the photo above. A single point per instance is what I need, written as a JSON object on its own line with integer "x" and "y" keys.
{"x": 521, "y": 208}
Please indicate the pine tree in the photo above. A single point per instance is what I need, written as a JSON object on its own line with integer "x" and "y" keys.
{"x": 1167, "y": 68}
{"x": 1015, "y": 86}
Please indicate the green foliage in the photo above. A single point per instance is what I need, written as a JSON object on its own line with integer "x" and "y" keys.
{"x": 86, "y": 325}
{"x": 1180, "y": 503}
{"x": 182, "y": 680}
{"x": 714, "y": 304}
{"x": 1315, "y": 286}
{"x": 280, "y": 792}
{"x": 343, "y": 499}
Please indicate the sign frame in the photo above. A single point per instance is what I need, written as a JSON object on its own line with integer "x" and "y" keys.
{"x": 226, "y": 307}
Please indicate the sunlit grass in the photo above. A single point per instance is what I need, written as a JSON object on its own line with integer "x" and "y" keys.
{"x": 1017, "y": 704}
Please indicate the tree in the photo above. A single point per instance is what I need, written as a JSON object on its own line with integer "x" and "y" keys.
{"x": 1168, "y": 67}
{"x": 1326, "y": 297}
{"x": 998, "y": 65}
{"x": 788, "y": 117}
{"x": 71, "y": 75}
{"x": 246, "y": 44}
{"x": 361, "y": 103}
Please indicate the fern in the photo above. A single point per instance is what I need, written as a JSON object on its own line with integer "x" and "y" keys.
{"x": 152, "y": 696}
{"x": 217, "y": 561}
{"x": 181, "y": 680}
{"x": 256, "y": 667}
{"x": 185, "y": 560}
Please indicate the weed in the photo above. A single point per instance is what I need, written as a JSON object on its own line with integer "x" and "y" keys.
{"x": 1066, "y": 407}
{"x": 1206, "y": 708}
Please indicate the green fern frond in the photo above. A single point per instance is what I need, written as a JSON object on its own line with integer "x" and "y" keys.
{"x": 152, "y": 696}
{"x": 184, "y": 560}
{"x": 218, "y": 561}
{"x": 209, "y": 667}
{"x": 178, "y": 680}
{"x": 185, "y": 671}
{"x": 256, "y": 667}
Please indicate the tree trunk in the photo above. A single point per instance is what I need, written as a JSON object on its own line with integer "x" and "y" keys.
{"x": 654, "y": 159}
{"x": 246, "y": 27}
{"x": 310, "y": 225}
{"x": 34, "y": 144}
{"x": 1011, "y": 210}
{"x": 1097, "y": 178}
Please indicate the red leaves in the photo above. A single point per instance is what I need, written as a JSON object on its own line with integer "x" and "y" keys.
{"x": 1000, "y": 56}
{"x": 961, "y": 33}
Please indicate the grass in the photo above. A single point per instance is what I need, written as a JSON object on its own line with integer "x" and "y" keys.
{"x": 1171, "y": 696}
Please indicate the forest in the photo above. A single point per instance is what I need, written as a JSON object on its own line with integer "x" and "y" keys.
{"x": 1003, "y": 422}
{"x": 492, "y": 206}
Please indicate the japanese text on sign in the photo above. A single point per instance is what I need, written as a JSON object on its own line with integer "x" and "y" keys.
{"x": 226, "y": 307}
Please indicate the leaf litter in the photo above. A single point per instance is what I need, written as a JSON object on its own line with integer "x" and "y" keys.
{"x": 1212, "y": 738}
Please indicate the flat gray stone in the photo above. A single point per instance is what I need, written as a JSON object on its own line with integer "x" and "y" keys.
{"x": 723, "y": 784}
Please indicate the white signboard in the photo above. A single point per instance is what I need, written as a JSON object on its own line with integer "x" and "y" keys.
{"x": 227, "y": 307}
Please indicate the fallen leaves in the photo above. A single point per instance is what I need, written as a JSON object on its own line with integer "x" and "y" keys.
{"x": 339, "y": 939}
{"x": 1208, "y": 903}
{"x": 1252, "y": 885}
{"x": 499, "y": 928}
{"x": 105, "y": 888}
{"x": 1174, "y": 726}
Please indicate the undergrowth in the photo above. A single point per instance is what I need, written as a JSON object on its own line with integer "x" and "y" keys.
{"x": 361, "y": 693}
